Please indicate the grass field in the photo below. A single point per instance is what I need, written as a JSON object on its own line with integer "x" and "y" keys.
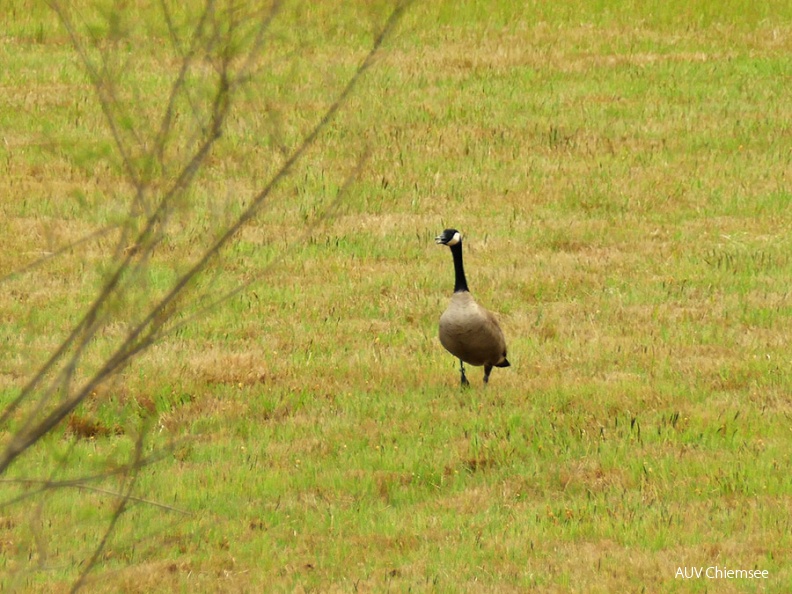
{"x": 621, "y": 174}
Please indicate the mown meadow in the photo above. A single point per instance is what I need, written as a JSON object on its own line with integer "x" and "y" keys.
{"x": 621, "y": 174}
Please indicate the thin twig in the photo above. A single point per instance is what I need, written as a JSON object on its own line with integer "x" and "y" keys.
{"x": 203, "y": 310}
{"x": 99, "y": 233}
{"x": 80, "y": 486}
{"x": 120, "y": 508}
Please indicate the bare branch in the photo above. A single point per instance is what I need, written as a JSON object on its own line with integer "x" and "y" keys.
{"x": 88, "y": 324}
{"x": 57, "y": 384}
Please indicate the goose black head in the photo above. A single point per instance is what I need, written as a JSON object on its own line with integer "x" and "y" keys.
{"x": 449, "y": 237}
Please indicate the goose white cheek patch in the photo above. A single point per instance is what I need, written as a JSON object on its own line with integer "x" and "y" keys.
{"x": 455, "y": 239}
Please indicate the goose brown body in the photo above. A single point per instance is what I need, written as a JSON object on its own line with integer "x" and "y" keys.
{"x": 471, "y": 333}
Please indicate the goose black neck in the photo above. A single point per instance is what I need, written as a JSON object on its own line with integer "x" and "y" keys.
{"x": 460, "y": 284}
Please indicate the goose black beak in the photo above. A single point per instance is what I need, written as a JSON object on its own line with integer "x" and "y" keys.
{"x": 439, "y": 239}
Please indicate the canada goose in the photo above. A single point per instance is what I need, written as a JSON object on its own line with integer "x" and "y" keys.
{"x": 467, "y": 330}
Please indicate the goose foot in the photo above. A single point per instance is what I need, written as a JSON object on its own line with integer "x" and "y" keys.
{"x": 487, "y": 371}
{"x": 465, "y": 382}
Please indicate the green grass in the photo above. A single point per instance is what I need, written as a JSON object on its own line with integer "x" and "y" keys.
{"x": 620, "y": 172}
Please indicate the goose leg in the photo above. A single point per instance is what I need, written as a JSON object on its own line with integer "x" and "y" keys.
{"x": 487, "y": 371}
{"x": 465, "y": 381}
